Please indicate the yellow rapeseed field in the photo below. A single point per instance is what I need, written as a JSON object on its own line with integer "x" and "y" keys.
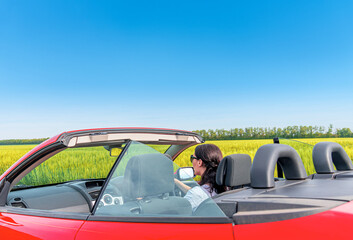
{"x": 10, "y": 154}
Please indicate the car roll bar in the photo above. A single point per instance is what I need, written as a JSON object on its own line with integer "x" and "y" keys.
{"x": 264, "y": 164}
{"x": 326, "y": 155}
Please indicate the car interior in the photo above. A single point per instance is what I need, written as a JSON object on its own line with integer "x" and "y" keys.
{"x": 254, "y": 195}
{"x": 267, "y": 199}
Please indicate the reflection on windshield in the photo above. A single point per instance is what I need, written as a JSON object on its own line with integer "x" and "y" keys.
{"x": 305, "y": 152}
{"x": 143, "y": 185}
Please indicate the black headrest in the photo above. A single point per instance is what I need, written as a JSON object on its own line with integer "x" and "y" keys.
{"x": 149, "y": 175}
{"x": 325, "y": 154}
{"x": 264, "y": 164}
{"x": 234, "y": 170}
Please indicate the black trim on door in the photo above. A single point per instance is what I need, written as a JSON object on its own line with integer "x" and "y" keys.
{"x": 194, "y": 220}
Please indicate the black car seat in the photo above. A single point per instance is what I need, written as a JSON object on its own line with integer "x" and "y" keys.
{"x": 148, "y": 179}
{"x": 234, "y": 171}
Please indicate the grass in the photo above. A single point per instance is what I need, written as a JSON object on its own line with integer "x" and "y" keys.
{"x": 68, "y": 165}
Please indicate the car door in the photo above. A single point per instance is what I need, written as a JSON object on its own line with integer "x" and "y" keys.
{"x": 22, "y": 226}
{"x": 158, "y": 230}
{"x": 139, "y": 201}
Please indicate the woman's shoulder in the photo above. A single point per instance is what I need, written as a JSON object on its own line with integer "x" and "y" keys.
{"x": 206, "y": 187}
{"x": 211, "y": 192}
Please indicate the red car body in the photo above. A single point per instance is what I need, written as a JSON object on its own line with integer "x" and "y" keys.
{"x": 333, "y": 223}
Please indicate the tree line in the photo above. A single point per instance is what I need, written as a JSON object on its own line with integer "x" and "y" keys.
{"x": 243, "y": 133}
{"x": 268, "y": 133}
{"x": 22, "y": 141}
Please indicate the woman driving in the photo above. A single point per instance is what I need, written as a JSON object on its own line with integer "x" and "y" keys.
{"x": 205, "y": 161}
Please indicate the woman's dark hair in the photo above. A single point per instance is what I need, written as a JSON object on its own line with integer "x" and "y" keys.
{"x": 210, "y": 155}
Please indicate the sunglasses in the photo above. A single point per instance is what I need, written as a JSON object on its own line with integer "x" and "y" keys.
{"x": 192, "y": 157}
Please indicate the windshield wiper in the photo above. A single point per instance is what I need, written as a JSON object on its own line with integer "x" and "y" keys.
{"x": 83, "y": 179}
{"x": 22, "y": 186}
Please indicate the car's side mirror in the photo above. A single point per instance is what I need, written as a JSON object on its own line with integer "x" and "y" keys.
{"x": 185, "y": 173}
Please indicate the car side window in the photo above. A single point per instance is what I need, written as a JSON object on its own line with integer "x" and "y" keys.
{"x": 69, "y": 181}
{"x": 71, "y": 164}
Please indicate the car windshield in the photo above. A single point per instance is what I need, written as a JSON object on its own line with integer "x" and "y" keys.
{"x": 143, "y": 184}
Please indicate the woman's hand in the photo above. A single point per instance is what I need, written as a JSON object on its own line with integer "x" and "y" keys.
{"x": 183, "y": 187}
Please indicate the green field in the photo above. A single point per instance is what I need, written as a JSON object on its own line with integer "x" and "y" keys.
{"x": 66, "y": 165}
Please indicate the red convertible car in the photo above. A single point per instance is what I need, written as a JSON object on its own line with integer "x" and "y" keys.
{"x": 119, "y": 184}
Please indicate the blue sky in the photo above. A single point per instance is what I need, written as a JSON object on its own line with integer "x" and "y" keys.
{"x": 190, "y": 65}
